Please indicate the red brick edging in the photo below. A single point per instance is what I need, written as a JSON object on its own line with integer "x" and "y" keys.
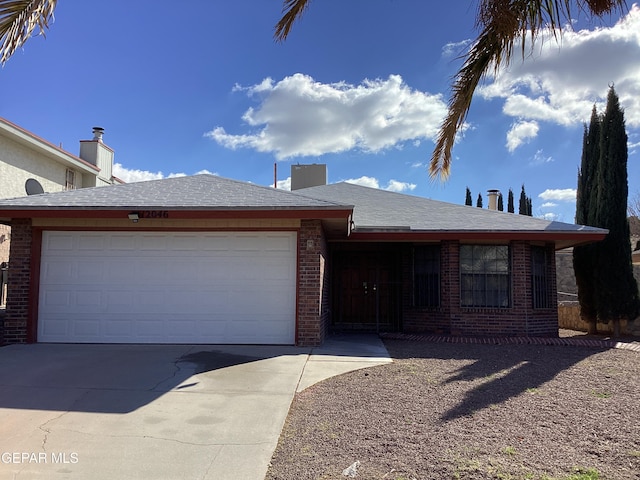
{"x": 566, "y": 341}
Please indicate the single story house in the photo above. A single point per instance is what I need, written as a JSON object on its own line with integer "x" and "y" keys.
{"x": 204, "y": 259}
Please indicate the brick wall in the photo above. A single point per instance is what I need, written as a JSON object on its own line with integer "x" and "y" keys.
{"x": 313, "y": 284}
{"x": 15, "y": 323}
{"x": 521, "y": 319}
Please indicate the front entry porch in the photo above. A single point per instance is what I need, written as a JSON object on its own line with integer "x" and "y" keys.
{"x": 366, "y": 293}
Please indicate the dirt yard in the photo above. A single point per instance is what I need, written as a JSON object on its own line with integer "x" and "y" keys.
{"x": 458, "y": 411}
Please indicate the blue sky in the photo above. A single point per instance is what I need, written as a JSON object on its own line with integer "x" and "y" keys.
{"x": 360, "y": 85}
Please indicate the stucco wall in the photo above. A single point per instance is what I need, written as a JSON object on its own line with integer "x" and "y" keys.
{"x": 19, "y": 163}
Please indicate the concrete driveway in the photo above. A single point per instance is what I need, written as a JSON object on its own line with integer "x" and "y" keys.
{"x": 157, "y": 411}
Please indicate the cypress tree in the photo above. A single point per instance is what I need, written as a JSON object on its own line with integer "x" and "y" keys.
{"x": 500, "y": 203}
{"x": 523, "y": 204}
{"x": 584, "y": 256}
{"x": 468, "y": 200}
{"x": 510, "y": 207}
{"x": 617, "y": 290}
{"x": 479, "y": 202}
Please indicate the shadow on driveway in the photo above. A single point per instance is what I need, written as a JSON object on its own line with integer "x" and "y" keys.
{"x": 157, "y": 411}
{"x": 118, "y": 378}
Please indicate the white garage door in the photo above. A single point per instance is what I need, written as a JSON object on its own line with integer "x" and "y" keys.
{"x": 161, "y": 287}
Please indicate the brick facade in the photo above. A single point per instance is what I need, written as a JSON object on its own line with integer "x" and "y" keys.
{"x": 520, "y": 319}
{"x": 313, "y": 295}
{"x": 313, "y": 285}
{"x": 15, "y": 322}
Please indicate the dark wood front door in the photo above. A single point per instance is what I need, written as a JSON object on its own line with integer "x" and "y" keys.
{"x": 366, "y": 290}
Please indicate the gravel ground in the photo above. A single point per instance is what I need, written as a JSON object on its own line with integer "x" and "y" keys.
{"x": 460, "y": 411}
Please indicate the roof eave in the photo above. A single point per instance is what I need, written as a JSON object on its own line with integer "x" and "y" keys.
{"x": 176, "y": 213}
{"x": 26, "y": 138}
{"x": 562, "y": 239}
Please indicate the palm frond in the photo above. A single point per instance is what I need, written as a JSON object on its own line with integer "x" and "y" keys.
{"x": 293, "y": 10}
{"x": 18, "y": 20}
{"x": 502, "y": 24}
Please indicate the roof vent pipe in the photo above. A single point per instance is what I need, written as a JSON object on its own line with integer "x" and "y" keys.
{"x": 97, "y": 133}
{"x": 493, "y": 199}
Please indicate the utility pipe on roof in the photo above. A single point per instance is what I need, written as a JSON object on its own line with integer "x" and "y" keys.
{"x": 493, "y": 199}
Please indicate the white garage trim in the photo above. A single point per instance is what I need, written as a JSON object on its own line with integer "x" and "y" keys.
{"x": 167, "y": 287}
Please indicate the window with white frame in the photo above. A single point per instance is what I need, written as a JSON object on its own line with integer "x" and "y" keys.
{"x": 70, "y": 180}
{"x": 485, "y": 276}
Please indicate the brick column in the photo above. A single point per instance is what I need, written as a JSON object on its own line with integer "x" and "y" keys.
{"x": 18, "y": 282}
{"x": 521, "y": 279}
{"x": 313, "y": 291}
{"x": 450, "y": 294}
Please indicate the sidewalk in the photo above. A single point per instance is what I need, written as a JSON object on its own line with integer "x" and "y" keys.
{"x": 578, "y": 339}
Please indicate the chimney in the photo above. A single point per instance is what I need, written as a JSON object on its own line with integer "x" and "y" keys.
{"x": 493, "y": 199}
{"x": 97, "y": 153}
{"x": 303, "y": 176}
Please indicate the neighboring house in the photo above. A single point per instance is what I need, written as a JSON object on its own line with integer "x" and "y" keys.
{"x": 25, "y": 157}
{"x": 204, "y": 259}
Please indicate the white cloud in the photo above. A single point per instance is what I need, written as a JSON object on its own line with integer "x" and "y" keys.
{"x": 133, "y": 175}
{"x": 396, "y": 186}
{"x": 298, "y": 116}
{"x": 552, "y": 217}
{"x": 560, "y": 82}
{"x": 392, "y": 185}
{"x": 561, "y": 195}
{"x": 548, "y": 205}
{"x": 521, "y": 132}
{"x": 539, "y": 158}
{"x": 456, "y": 49}
{"x": 365, "y": 181}
{"x": 284, "y": 184}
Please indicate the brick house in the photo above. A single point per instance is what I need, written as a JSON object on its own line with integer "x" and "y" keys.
{"x": 204, "y": 259}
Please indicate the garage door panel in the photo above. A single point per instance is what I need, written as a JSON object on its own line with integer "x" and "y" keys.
{"x": 116, "y": 328}
{"x": 277, "y": 244}
{"x": 87, "y": 328}
{"x": 57, "y": 271}
{"x": 186, "y": 243}
{"x": 56, "y": 327}
{"x": 57, "y": 300}
{"x": 158, "y": 287}
{"x": 216, "y": 243}
{"x": 86, "y": 301}
{"x": 60, "y": 243}
{"x": 119, "y": 271}
{"x": 90, "y": 243}
{"x": 88, "y": 271}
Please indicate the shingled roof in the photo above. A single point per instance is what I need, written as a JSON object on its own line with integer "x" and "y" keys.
{"x": 197, "y": 192}
{"x": 384, "y": 211}
{"x": 377, "y": 214}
